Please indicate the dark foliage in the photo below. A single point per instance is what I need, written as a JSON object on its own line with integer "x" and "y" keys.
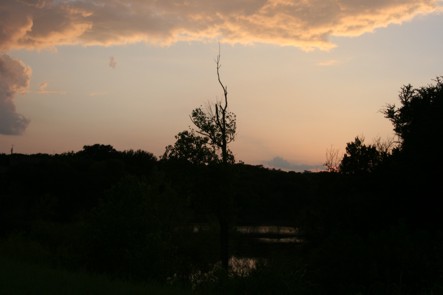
{"x": 192, "y": 148}
{"x": 360, "y": 158}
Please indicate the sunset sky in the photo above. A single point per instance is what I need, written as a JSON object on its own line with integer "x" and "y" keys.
{"x": 303, "y": 75}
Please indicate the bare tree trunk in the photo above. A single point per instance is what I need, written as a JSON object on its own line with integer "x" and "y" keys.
{"x": 222, "y": 218}
{"x": 220, "y": 128}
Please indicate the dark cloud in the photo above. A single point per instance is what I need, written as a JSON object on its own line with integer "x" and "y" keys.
{"x": 14, "y": 79}
{"x": 307, "y": 24}
{"x": 41, "y": 24}
{"x": 282, "y": 164}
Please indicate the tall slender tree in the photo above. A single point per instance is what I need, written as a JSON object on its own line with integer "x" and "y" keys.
{"x": 215, "y": 128}
{"x": 217, "y": 123}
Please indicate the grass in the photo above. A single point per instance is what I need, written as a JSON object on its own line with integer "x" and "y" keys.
{"x": 20, "y": 277}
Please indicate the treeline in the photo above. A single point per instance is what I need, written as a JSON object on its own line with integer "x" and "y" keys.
{"x": 372, "y": 225}
{"x": 61, "y": 187}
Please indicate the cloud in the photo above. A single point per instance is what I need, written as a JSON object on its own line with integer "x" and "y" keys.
{"x": 112, "y": 62}
{"x": 307, "y": 24}
{"x": 43, "y": 89}
{"x": 14, "y": 79}
{"x": 282, "y": 164}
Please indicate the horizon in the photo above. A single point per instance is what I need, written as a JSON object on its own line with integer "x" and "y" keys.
{"x": 300, "y": 80}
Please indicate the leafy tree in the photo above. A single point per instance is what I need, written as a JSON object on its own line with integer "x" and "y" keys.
{"x": 192, "y": 148}
{"x": 418, "y": 122}
{"x": 416, "y": 167}
{"x": 98, "y": 151}
{"x": 360, "y": 158}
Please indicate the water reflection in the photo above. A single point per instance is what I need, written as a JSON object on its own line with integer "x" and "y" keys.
{"x": 238, "y": 267}
{"x": 270, "y": 233}
{"x": 263, "y": 233}
{"x": 242, "y": 266}
{"x": 280, "y": 240}
{"x": 267, "y": 229}
{"x": 252, "y": 245}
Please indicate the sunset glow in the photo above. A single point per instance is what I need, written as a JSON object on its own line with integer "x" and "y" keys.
{"x": 302, "y": 76}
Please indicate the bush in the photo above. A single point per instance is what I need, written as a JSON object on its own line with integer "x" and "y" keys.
{"x": 135, "y": 231}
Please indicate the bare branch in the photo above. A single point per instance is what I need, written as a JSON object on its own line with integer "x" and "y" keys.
{"x": 332, "y": 162}
{"x": 225, "y": 88}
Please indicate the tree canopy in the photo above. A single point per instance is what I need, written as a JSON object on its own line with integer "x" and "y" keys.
{"x": 192, "y": 148}
{"x": 418, "y": 122}
{"x": 360, "y": 158}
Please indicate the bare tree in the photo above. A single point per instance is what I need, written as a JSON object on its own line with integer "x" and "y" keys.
{"x": 332, "y": 162}
{"x": 386, "y": 146}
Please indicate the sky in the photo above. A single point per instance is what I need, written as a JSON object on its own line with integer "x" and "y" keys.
{"x": 303, "y": 76}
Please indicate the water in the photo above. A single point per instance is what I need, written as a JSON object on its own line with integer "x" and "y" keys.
{"x": 270, "y": 234}
{"x": 251, "y": 246}
{"x": 267, "y": 229}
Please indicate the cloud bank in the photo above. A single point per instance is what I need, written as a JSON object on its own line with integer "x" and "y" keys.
{"x": 307, "y": 24}
{"x": 282, "y": 164}
{"x": 14, "y": 79}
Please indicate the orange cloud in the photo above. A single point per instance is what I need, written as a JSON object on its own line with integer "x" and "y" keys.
{"x": 307, "y": 24}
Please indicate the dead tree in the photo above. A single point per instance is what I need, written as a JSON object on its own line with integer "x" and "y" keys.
{"x": 218, "y": 124}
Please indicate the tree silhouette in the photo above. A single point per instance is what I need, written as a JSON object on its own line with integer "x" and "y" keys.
{"x": 98, "y": 151}
{"x": 216, "y": 128}
{"x": 332, "y": 161}
{"x": 217, "y": 124}
{"x": 192, "y": 148}
{"x": 208, "y": 144}
{"x": 418, "y": 122}
{"x": 360, "y": 158}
